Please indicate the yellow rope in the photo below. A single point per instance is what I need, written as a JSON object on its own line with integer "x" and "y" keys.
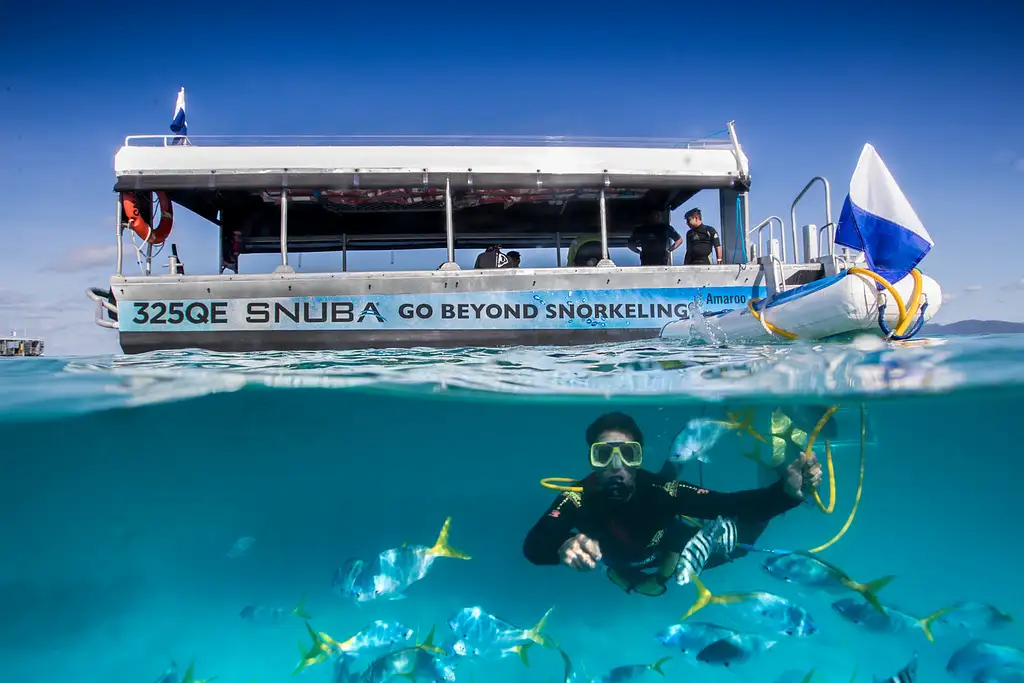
{"x": 808, "y": 451}
{"x": 772, "y": 328}
{"x": 831, "y": 476}
{"x": 860, "y": 486}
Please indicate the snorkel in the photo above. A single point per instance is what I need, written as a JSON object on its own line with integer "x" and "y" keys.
{"x": 615, "y": 445}
{"x": 615, "y": 463}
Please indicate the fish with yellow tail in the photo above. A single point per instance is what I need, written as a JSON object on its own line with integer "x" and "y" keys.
{"x": 735, "y": 649}
{"x": 422, "y": 663}
{"x": 317, "y": 652}
{"x": 971, "y": 615}
{"x": 632, "y": 672}
{"x": 390, "y": 574}
{"x": 811, "y": 571}
{"x": 983, "y": 662}
{"x": 767, "y": 609}
{"x": 693, "y": 636}
{"x": 375, "y": 638}
{"x": 891, "y": 621}
{"x": 480, "y": 634}
{"x": 274, "y": 616}
{"x": 696, "y": 440}
{"x": 705, "y": 598}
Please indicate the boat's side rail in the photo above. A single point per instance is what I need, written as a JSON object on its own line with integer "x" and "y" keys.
{"x": 424, "y": 141}
{"x": 104, "y": 304}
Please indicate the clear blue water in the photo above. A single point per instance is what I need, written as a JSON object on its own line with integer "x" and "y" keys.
{"x": 127, "y": 480}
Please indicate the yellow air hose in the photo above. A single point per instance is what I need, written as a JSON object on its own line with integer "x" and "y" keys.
{"x": 552, "y": 483}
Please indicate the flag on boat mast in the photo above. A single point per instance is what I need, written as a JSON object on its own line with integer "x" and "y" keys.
{"x": 179, "y": 126}
{"x": 878, "y": 220}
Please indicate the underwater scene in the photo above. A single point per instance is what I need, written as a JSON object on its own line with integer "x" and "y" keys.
{"x": 630, "y": 512}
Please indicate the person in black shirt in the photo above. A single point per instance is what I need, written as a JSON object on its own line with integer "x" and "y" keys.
{"x": 491, "y": 258}
{"x": 627, "y": 518}
{"x": 652, "y": 240}
{"x": 699, "y": 240}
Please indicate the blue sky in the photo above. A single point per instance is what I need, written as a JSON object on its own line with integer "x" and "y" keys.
{"x": 938, "y": 93}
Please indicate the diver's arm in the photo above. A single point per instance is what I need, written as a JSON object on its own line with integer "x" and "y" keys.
{"x": 753, "y": 504}
{"x": 556, "y": 527}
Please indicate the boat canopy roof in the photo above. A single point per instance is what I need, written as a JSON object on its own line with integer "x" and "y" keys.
{"x": 389, "y": 193}
{"x": 156, "y": 162}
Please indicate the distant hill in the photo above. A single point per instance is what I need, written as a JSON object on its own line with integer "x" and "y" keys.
{"x": 974, "y": 327}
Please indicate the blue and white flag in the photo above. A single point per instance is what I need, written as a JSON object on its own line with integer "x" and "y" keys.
{"x": 879, "y": 221}
{"x": 179, "y": 126}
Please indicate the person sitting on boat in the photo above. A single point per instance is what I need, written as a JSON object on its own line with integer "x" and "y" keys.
{"x": 626, "y": 517}
{"x": 514, "y": 259}
{"x": 491, "y": 258}
{"x": 584, "y": 252}
{"x": 700, "y": 238}
{"x": 654, "y": 240}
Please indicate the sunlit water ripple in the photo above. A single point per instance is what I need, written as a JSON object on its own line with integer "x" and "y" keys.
{"x": 635, "y": 371}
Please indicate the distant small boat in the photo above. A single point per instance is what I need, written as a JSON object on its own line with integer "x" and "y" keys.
{"x": 20, "y": 346}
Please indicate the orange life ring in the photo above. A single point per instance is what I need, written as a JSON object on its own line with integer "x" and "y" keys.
{"x": 130, "y": 202}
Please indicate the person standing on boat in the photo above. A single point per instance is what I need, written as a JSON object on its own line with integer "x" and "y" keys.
{"x": 627, "y": 518}
{"x": 585, "y": 251}
{"x": 700, "y": 238}
{"x": 491, "y": 258}
{"x": 654, "y": 240}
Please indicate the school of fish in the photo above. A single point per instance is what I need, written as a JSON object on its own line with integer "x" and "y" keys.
{"x": 387, "y": 650}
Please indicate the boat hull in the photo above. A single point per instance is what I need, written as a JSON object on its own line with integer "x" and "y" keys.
{"x": 842, "y": 304}
{"x": 563, "y": 306}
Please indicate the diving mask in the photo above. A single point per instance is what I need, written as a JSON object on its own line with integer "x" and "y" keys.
{"x": 618, "y": 453}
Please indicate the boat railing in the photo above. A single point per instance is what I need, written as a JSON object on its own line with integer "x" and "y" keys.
{"x": 829, "y": 242}
{"x": 102, "y": 299}
{"x": 755, "y": 237}
{"x": 828, "y": 208}
{"x": 423, "y": 140}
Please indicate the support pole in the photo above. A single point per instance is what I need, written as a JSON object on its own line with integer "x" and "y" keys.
{"x": 558, "y": 249}
{"x": 344, "y": 253}
{"x": 284, "y": 267}
{"x": 605, "y": 260}
{"x": 120, "y": 235}
{"x": 449, "y": 226}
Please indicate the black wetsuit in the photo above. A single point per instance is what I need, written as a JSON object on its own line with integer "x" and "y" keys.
{"x": 638, "y": 533}
{"x": 654, "y": 239}
{"x": 699, "y": 243}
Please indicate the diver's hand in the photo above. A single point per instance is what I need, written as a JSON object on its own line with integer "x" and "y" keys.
{"x": 580, "y": 552}
{"x": 801, "y": 475}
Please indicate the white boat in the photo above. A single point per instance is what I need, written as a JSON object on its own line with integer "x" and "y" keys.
{"x": 21, "y": 346}
{"x": 290, "y": 196}
{"x": 882, "y": 236}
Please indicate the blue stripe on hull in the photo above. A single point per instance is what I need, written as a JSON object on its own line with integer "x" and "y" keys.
{"x": 800, "y": 292}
